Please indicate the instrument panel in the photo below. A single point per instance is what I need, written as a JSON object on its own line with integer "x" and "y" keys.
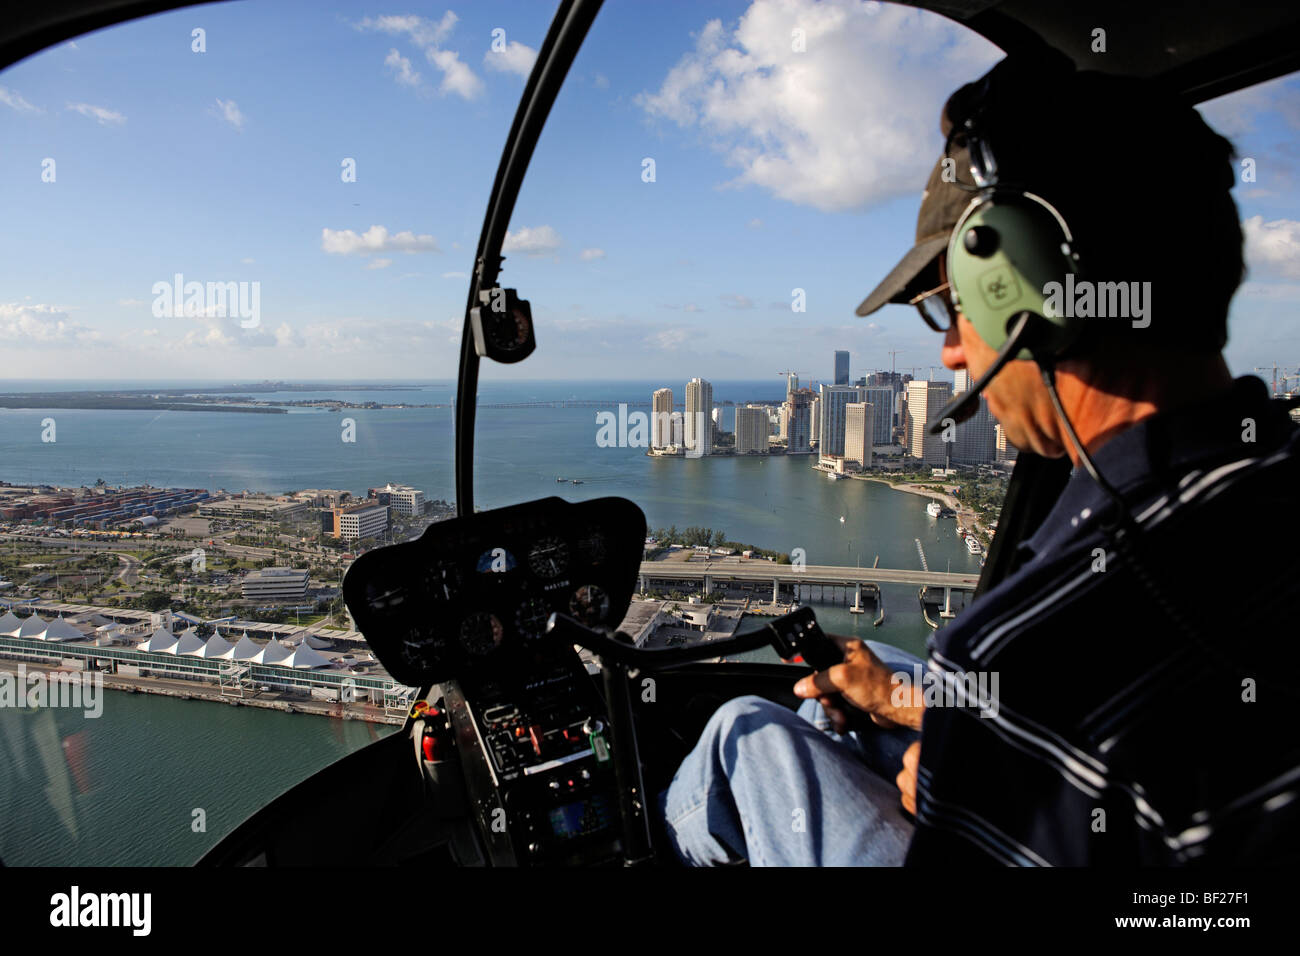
{"x": 477, "y": 591}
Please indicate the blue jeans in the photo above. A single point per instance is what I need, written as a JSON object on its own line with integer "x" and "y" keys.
{"x": 778, "y": 788}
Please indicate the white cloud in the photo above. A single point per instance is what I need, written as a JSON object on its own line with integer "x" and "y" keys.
{"x": 601, "y": 81}
{"x": 1272, "y": 248}
{"x": 401, "y": 67}
{"x": 379, "y": 263}
{"x": 851, "y": 121}
{"x": 755, "y": 223}
{"x": 588, "y": 254}
{"x": 345, "y": 242}
{"x": 132, "y": 302}
{"x": 247, "y": 260}
{"x": 228, "y": 110}
{"x": 41, "y": 325}
{"x": 428, "y": 36}
{"x": 455, "y": 275}
{"x": 737, "y": 301}
{"x": 532, "y": 241}
{"x": 515, "y": 58}
{"x": 11, "y": 98}
{"x": 100, "y": 114}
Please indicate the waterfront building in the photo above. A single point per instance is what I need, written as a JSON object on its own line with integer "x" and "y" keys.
{"x": 752, "y": 429}
{"x": 699, "y": 403}
{"x": 924, "y": 402}
{"x": 814, "y": 421}
{"x": 402, "y": 499}
{"x": 976, "y": 440}
{"x": 882, "y": 422}
{"x": 830, "y": 417}
{"x": 798, "y": 433}
{"x": 858, "y": 431}
{"x": 661, "y": 420}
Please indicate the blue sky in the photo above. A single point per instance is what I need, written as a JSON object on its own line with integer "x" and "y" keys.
{"x": 775, "y": 169}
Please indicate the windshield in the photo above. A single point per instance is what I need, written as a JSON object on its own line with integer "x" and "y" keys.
{"x": 231, "y": 301}
{"x": 239, "y": 239}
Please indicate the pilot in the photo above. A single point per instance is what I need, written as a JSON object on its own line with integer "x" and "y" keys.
{"x": 1125, "y": 694}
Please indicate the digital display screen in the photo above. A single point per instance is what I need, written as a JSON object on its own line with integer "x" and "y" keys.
{"x": 580, "y": 818}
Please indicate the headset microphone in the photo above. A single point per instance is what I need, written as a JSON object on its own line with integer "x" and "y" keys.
{"x": 963, "y": 406}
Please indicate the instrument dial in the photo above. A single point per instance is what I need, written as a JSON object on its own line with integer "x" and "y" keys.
{"x": 531, "y": 618}
{"x": 549, "y": 557}
{"x": 589, "y": 604}
{"x": 481, "y": 633}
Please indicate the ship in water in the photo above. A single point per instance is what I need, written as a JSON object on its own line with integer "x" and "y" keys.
{"x": 973, "y": 545}
{"x": 834, "y": 475}
{"x": 934, "y": 509}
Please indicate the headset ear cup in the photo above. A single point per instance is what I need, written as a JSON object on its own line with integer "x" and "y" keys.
{"x": 1006, "y": 251}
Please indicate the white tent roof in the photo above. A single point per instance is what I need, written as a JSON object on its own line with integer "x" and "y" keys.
{"x": 313, "y": 640}
{"x": 190, "y": 643}
{"x": 218, "y": 647}
{"x": 9, "y": 624}
{"x": 304, "y": 658}
{"x": 34, "y": 626}
{"x": 160, "y": 641}
{"x": 61, "y": 630}
{"x": 245, "y": 650}
{"x": 273, "y": 652}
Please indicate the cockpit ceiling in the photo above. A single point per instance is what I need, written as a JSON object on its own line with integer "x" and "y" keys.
{"x": 1201, "y": 49}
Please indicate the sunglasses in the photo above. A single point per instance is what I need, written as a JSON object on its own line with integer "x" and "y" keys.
{"x": 936, "y": 307}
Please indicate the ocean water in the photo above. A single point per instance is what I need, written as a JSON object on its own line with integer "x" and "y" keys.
{"x": 237, "y": 758}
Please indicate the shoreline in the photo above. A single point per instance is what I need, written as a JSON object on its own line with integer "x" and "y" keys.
{"x": 181, "y": 690}
{"x": 964, "y": 515}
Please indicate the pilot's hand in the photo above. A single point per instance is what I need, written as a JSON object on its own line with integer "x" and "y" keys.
{"x": 863, "y": 681}
{"x": 906, "y": 779}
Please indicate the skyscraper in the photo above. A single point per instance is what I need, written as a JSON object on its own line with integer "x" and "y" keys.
{"x": 841, "y": 368}
{"x": 791, "y": 383}
{"x": 924, "y": 402}
{"x": 814, "y": 420}
{"x": 698, "y": 424}
{"x": 1005, "y": 450}
{"x": 882, "y": 403}
{"x": 858, "y": 430}
{"x": 830, "y": 420}
{"x": 976, "y": 440}
{"x": 660, "y": 426}
{"x": 752, "y": 428}
{"x": 961, "y": 381}
{"x": 798, "y": 434}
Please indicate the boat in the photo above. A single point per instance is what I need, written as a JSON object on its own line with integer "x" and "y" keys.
{"x": 559, "y": 479}
{"x": 933, "y": 509}
{"x": 834, "y": 475}
{"x": 577, "y": 481}
{"x": 841, "y": 519}
{"x": 972, "y": 545}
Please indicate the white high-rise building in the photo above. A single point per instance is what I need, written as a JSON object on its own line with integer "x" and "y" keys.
{"x": 699, "y": 404}
{"x": 676, "y": 430}
{"x": 858, "y": 431}
{"x": 791, "y": 384}
{"x": 661, "y": 418}
{"x": 752, "y": 428}
{"x": 814, "y": 420}
{"x": 961, "y": 381}
{"x": 924, "y": 401}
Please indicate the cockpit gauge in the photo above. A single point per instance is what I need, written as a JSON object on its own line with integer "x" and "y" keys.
{"x": 549, "y": 557}
{"x": 531, "y": 618}
{"x": 481, "y": 633}
{"x": 592, "y": 547}
{"x": 442, "y": 581}
{"x": 590, "y": 605}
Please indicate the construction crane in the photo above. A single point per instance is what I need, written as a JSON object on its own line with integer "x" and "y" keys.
{"x": 1286, "y": 376}
{"x": 893, "y": 353}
